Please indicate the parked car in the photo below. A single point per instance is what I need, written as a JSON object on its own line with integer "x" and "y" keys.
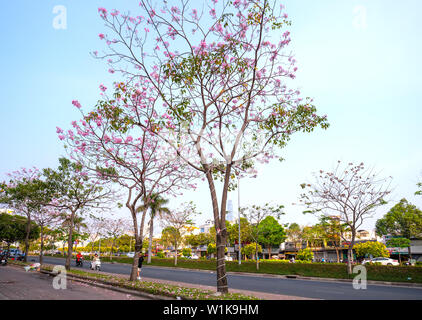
{"x": 194, "y": 257}
{"x": 228, "y": 258}
{"x": 130, "y": 254}
{"x": 383, "y": 261}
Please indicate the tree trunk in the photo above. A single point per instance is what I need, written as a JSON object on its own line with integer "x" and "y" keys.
{"x": 151, "y": 232}
{"x": 220, "y": 225}
{"x": 350, "y": 255}
{"x": 338, "y": 257}
{"x": 70, "y": 241}
{"x": 410, "y": 251}
{"x": 175, "y": 257}
{"x": 256, "y": 256}
{"x": 28, "y": 231}
{"x": 269, "y": 252}
{"x": 42, "y": 244}
{"x": 111, "y": 250}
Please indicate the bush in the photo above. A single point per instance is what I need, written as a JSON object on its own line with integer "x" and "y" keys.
{"x": 160, "y": 254}
{"x": 305, "y": 255}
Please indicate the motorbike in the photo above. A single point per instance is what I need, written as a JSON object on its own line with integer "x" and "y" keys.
{"x": 3, "y": 260}
{"x": 79, "y": 262}
{"x": 96, "y": 265}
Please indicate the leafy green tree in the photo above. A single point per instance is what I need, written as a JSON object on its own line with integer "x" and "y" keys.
{"x": 371, "y": 248}
{"x": 305, "y": 254}
{"x": 398, "y": 243}
{"x": 255, "y": 215}
{"x": 13, "y": 229}
{"x": 75, "y": 192}
{"x": 271, "y": 233}
{"x": 211, "y": 249}
{"x": 403, "y": 220}
{"x": 294, "y": 233}
{"x": 28, "y": 195}
{"x": 252, "y": 250}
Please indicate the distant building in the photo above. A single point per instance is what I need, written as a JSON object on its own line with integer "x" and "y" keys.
{"x": 229, "y": 211}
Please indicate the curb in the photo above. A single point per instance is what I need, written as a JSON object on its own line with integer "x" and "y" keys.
{"x": 268, "y": 275}
{"x": 97, "y": 283}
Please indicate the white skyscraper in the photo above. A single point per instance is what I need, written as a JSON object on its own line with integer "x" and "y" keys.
{"x": 229, "y": 213}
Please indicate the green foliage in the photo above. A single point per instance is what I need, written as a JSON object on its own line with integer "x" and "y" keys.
{"x": 374, "y": 248}
{"x": 13, "y": 228}
{"x": 398, "y": 243}
{"x": 250, "y": 248}
{"x": 305, "y": 254}
{"x": 271, "y": 233}
{"x": 187, "y": 252}
{"x": 404, "y": 220}
{"x": 212, "y": 248}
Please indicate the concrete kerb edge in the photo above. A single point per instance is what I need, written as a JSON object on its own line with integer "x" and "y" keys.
{"x": 96, "y": 282}
{"x": 373, "y": 282}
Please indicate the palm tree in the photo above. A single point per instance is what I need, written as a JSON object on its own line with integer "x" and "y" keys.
{"x": 156, "y": 205}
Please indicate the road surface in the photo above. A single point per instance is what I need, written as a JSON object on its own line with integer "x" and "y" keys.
{"x": 290, "y": 287}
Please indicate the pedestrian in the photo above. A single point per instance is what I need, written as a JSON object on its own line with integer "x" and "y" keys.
{"x": 141, "y": 259}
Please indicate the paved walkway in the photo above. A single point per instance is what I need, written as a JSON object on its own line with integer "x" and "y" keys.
{"x": 17, "y": 284}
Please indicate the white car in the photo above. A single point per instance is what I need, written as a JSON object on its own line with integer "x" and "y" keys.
{"x": 130, "y": 254}
{"x": 228, "y": 258}
{"x": 383, "y": 261}
{"x": 194, "y": 257}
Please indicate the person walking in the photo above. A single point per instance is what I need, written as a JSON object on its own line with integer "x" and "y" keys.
{"x": 141, "y": 259}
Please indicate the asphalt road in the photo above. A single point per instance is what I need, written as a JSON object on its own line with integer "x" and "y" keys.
{"x": 16, "y": 284}
{"x": 290, "y": 287}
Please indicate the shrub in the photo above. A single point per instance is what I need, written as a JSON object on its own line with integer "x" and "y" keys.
{"x": 305, "y": 254}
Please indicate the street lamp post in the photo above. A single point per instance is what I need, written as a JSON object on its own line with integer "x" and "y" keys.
{"x": 238, "y": 213}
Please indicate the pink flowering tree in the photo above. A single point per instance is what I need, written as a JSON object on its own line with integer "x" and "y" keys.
{"x": 132, "y": 157}
{"x": 350, "y": 192}
{"x": 217, "y": 80}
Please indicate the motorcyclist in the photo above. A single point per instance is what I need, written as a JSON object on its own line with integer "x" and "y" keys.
{"x": 95, "y": 261}
{"x": 78, "y": 257}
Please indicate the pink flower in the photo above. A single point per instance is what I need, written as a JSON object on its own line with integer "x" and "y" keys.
{"x": 103, "y": 88}
{"x": 101, "y": 35}
{"x": 76, "y": 104}
{"x": 59, "y": 130}
{"x": 61, "y": 137}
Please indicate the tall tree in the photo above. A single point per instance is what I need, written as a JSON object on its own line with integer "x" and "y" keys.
{"x": 176, "y": 222}
{"x": 13, "y": 228}
{"x": 271, "y": 233}
{"x": 256, "y": 215}
{"x": 218, "y": 87}
{"x": 28, "y": 195}
{"x": 76, "y": 192}
{"x": 404, "y": 220}
{"x": 115, "y": 228}
{"x": 294, "y": 234}
{"x": 353, "y": 193}
{"x": 133, "y": 158}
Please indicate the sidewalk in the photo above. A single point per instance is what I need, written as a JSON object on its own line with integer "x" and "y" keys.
{"x": 17, "y": 284}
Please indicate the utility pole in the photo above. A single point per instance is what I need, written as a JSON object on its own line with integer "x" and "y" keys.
{"x": 238, "y": 213}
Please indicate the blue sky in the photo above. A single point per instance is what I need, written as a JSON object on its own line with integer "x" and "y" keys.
{"x": 359, "y": 60}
